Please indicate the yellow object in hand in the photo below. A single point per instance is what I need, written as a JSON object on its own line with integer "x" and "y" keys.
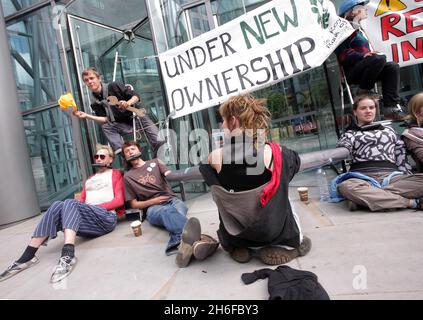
{"x": 66, "y": 101}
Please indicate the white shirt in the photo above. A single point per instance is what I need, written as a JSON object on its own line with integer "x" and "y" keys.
{"x": 99, "y": 188}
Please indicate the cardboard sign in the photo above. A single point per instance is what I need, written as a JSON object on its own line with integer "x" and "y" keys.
{"x": 395, "y": 27}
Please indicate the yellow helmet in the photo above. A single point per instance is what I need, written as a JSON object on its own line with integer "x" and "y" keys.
{"x": 66, "y": 101}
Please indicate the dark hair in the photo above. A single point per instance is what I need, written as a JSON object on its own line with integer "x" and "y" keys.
{"x": 362, "y": 97}
{"x": 86, "y": 71}
{"x": 130, "y": 144}
{"x": 128, "y": 165}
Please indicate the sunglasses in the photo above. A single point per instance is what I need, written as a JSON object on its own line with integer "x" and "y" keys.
{"x": 100, "y": 156}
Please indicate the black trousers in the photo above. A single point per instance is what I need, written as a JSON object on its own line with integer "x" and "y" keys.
{"x": 372, "y": 69}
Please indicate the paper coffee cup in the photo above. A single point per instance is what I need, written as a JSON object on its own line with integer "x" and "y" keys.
{"x": 303, "y": 192}
{"x": 136, "y": 228}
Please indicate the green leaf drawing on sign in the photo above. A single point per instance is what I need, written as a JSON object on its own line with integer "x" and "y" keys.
{"x": 322, "y": 13}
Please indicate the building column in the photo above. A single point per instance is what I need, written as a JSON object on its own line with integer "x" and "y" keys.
{"x": 18, "y": 197}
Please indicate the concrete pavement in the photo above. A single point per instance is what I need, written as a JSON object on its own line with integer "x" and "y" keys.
{"x": 356, "y": 255}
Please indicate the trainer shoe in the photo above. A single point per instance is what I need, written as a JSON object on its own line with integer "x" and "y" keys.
{"x": 204, "y": 247}
{"x": 63, "y": 269}
{"x": 17, "y": 267}
{"x": 274, "y": 255}
{"x": 395, "y": 113}
{"x": 241, "y": 255}
{"x": 190, "y": 234}
{"x": 419, "y": 204}
{"x": 352, "y": 206}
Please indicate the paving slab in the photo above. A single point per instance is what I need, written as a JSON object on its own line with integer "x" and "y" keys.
{"x": 356, "y": 255}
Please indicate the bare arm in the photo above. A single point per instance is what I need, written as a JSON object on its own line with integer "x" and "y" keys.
{"x": 125, "y": 104}
{"x": 83, "y": 115}
{"x": 148, "y": 203}
{"x": 215, "y": 159}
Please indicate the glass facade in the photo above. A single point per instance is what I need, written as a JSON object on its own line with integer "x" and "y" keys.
{"x": 303, "y": 114}
{"x": 129, "y": 59}
{"x": 306, "y": 109}
{"x": 14, "y": 6}
{"x": 53, "y": 158}
{"x": 39, "y": 81}
{"x": 37, "y": 67}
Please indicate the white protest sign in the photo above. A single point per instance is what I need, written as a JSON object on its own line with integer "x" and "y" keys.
{"x": 275, "y": 41}
{"x": 395, "y": 27}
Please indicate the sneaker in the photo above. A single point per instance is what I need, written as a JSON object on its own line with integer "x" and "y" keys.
{"x": 395, "y": 113}
{"x": 204, "y": 247}
{"x": 419, "y": 204}
{"x": 190, "y": 234}
{"x": 352, "y": 206}
{"x": 274, "y": 255}
{"x": 63, "y": 269}
{"x": 241, "y": 255}
{"x": 17, "y": 267}
{"x": 172, "y": 250}
{"x": 118, "y": 151}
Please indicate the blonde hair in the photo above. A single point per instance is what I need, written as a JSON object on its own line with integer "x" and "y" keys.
{"x": 104, "y": 147}
{"x": 414, "y": 106}
{"x": 250, "y": 111}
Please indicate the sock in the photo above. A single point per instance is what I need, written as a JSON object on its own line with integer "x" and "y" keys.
{"x": 68, "y": 250}
{"x": 28, "y": 254}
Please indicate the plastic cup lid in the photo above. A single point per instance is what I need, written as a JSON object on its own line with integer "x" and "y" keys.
{"x": 136, "y": 223}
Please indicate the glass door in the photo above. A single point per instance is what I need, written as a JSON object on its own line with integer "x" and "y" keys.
{"x": 125, "y": 56}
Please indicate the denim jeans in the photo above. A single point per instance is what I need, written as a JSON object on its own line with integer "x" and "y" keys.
{"x": 172, "y": 216}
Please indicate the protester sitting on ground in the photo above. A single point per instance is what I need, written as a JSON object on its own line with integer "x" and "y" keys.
{"x": 115, "y": 120}
{"x": 94, "y": 215}
{"x": 413, "y": 136}
{"x": 379, "y": 177}
{"x": 146, "y": 188}
{"x": 249, "y": 180}
{"x": 364, "y": 66}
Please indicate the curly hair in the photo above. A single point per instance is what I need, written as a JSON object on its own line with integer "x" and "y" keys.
{"x": 250, "y": 111}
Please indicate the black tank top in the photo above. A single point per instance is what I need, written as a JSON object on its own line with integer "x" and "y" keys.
{"x": 233, "y": 174}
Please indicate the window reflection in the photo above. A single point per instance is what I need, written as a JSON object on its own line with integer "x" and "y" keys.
{"x": 53, "y": 158}
{"x": 37, "y": 67}
{"x": 13, "y": 6}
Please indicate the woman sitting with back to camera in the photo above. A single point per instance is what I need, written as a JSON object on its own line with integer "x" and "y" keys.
{"x": 249, "y": 178}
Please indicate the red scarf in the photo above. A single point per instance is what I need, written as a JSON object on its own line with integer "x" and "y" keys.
{"x": 273, "y": 185}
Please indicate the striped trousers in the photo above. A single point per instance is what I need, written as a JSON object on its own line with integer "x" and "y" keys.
{"x": 87, "y": 220}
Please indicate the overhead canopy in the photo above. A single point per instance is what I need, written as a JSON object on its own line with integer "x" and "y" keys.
{"x": 121, "y": 15}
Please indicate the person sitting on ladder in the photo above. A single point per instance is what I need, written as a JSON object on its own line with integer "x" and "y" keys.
{"x": 114, "y": 116}
{"x": 364, "y": 66}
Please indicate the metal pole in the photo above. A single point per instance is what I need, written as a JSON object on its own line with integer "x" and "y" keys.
{"x": 76, "y": 127}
